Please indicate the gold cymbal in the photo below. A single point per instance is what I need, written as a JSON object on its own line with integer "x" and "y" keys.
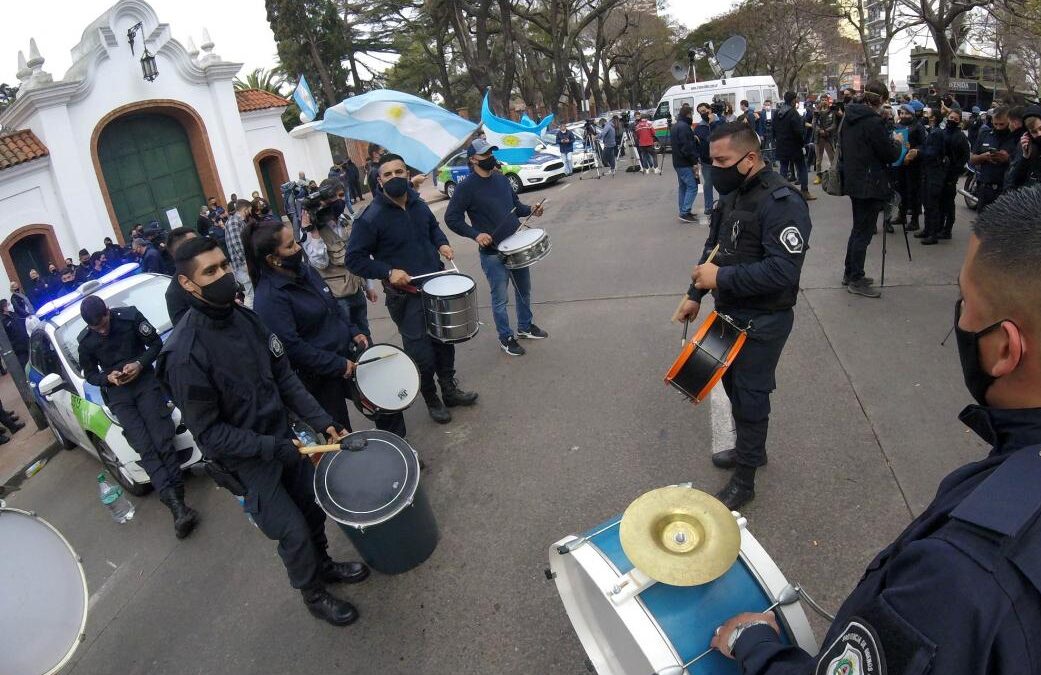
{"x": 680, "y": 536}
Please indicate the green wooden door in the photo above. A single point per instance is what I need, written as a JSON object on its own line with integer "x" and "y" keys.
{"x": 148, "y": 166}
{"x": 272, "y": 188}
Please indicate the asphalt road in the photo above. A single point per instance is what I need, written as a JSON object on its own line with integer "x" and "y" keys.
{"x": 864, "y": 427}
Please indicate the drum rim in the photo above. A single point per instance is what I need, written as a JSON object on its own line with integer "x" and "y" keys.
{"x": 364, "y": 397}
{"x": 408, "y": 455}
{"x": 526, "y": 261}
{"x": 690, "y": 348}
{"x": 461, "y": 294}
{"x": 78, "y": 640}
{"x": 540, "y": 237}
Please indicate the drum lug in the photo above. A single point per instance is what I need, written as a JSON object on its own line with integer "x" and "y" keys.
{"x": 629, "y": 586}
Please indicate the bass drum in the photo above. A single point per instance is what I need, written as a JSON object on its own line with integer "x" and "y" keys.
{"x": 43, "y": 596}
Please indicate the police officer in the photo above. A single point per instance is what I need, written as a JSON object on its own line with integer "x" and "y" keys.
{"x": 116, "y": 352}
{"x": 397, "y": 238}
{"x": 762, "y": 226}
{"x": 231, "y": 378}
{"x": 992, "y": 154}
{"x": 177, "y": 297}
{"x": 959, "y": 591}
{"x": 321, "y": 340}
{"x": 909, "y": 173}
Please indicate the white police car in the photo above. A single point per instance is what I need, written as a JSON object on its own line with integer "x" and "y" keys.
{"x": 74, "y": 408}
{"x": 541, "y": 169}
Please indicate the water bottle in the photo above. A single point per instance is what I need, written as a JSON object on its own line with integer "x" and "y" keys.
{"x": 112, "y": 497}
{"x": 304, "y": 434}
{"x": 249, "y": 516}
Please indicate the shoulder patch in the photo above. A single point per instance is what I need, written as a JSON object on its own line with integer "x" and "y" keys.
{"x": 854, "y": 652}
{"x": 145, "y": 328}
{"x": 278, "y": 350}
{"x": 782, "y": 192}
{"x": 792, "y": 239}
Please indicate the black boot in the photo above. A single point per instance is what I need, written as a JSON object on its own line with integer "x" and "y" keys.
{"x": 328, "y": 607}
{"x": 438, "y": 412}
{"x": 736, "y": 493}
{"x": 343, "y": 572}
{"x": 11, "y": 421}
{"x": 913, "y": 226}
{"x": 185, "y": 518}
{"x": 454, "y": 396}
{"x": 727, "y": 459}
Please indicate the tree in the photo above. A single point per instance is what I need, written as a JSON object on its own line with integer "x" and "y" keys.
{"x": 309, "y": 38}
{"x": 372, "y": 28}
{"x": 7, "y": 95}
{"x": 273, "y": 81}
{"x": 483, "y": 33}
{"x": 946, "y": 23}
{"x": 882, "y": 20}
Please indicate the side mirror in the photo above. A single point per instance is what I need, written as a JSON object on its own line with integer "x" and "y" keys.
{"x": 50, "y": 384}
{"x": 540, "y": 147}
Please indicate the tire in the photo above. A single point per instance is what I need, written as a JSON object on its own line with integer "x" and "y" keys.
{"x": 62, "y": 441}
{"x": 515, "y": 182}
{"x": 449, "y": 189}
{"x": 111, "y": 464}
{"x": 969, "y": 186}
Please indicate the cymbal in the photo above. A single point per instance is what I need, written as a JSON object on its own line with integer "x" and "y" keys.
{"x": 680, "y": 536}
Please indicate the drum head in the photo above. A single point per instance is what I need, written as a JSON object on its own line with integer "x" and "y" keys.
{"x": 523, "y": 238}
{"x": 369, "y": 486}
{"x": 449, "y": 284}
{"x": 43, "y": 596}
{"x": 392, "y": 383}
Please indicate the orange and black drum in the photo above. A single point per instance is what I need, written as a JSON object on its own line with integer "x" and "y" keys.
{"x": 704, "y": 359}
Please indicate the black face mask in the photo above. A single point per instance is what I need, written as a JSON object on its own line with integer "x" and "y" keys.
{"x": 488, "y": 163}
{"x": 726, "y": 179}
{"x": 704, "y": 116}
{"x": 977, "y": 380}
{"x": 294, "y": 261}
{"x": 395, "y": 188}
{"x": 220, "y": 293}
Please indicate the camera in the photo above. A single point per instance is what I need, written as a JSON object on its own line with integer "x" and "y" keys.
{"x": 317, "y": 201}
{"x": 718, "y": 107}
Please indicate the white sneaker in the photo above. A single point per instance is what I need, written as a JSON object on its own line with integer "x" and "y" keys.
{"x": 646, "y": 171}
{"x": 658, "y": 171}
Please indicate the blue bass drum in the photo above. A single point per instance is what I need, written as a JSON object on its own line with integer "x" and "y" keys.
{"x": 661, "y": 627}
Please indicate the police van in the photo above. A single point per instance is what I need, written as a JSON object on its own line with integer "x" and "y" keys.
{"x": 74, "y": 408}
{"x": 755, "y": 89}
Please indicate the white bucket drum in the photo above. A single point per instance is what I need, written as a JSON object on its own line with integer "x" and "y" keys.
{"x": 388, "y": 385}
{"x": 524, "y": 248}
{"x": 43, "y": 596}
{"x": 662, "y": 627}
{"x": 450, "y": 306}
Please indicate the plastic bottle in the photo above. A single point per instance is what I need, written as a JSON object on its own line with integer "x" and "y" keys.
{"x": 121, "y": 508}
{"x": 304, "y": 434}
{"x": 249, "y": 516}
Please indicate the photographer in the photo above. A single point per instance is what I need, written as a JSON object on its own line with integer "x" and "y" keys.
{"x": 327, "y": 225}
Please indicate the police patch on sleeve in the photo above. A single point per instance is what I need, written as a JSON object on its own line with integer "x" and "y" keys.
{"x": 855, "y": 652}
{"x": 145, "y": 328}
{"x": 792, "y": 240}
{"x": 276, "y": 346}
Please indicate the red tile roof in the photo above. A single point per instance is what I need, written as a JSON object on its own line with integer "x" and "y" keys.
{"x": 258, "y": 99}
{"x": 18, "y": 147}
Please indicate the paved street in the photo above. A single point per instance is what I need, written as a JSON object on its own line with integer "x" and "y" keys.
{"x": 864, "y": 426}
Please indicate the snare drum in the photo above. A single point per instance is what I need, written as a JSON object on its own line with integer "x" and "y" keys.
{"x": 389, "y": 385}
{"x": 664, "y": 626}
{"x": 704, "y": 359}
{"x": 450, "y": 307}
{"x": 524, "y": 248}
{"x": 43, "y": 596}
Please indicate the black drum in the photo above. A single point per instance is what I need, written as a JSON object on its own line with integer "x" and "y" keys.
{"x": 372, "y": 490}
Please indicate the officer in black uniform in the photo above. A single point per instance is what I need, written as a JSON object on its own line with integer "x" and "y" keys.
{"x": 995, "y": 146}
{"x": 959, "y": 591}
{"x": 397, "y": 238}
{"x": 177, "y": 297}
{"x": 116, "y": 352}
{"x": 762, "y": 228}
{"x": 232, "y": 380}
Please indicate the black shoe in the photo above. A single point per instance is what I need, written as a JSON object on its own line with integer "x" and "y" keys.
{"x": 511, "y": 346}
{"x": 533, "y": 333}
{"x": 185, "y": 517}
{"x": 4, "y": 438}
{"x": 344, "y": 572}
{"x": 929, "y": 241}
{"x": 727, "y": 459}
{"x": 688, "y": 218}
{"x": 899, "y": 220}
{"x": 889, "y": 228}
{"x": 920, "y": 235}
{"x": 913, "y": 226}
{"x": 454, "y": 396}
{"x": 13, "y": 425}
{"x": 438, "y": 412}
{"x": 735, "y": 495}
{"x": 328, "y": 607}
{"x": 866, "y": 280}
{"x": 944, "y": 235}
{"x": 866, "y": 290}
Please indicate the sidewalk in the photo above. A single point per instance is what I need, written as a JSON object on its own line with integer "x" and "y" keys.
{"x": 26, "y": 446}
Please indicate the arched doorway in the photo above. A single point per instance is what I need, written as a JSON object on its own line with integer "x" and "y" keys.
{"x": 154, "y": 162}
{"x": 271, "y": 170}
{"x": 27, "y": 248}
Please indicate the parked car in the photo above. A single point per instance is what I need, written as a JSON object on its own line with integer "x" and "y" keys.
{"x": 581, "y": 156}
{"x": 74, "y": 408}
{"x": 542, "y": 169}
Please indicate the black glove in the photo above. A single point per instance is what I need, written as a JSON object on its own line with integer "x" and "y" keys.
{"x": 287, "y": 452}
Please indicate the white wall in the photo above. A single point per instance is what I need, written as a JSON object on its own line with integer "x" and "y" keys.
{"x": 27, "y": 198}
{"x": 264, "y": 130}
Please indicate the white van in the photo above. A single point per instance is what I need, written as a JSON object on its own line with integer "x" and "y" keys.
{"x": 755, "y": 89}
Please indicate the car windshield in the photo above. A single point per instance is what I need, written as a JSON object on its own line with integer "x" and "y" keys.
{"x": 148, "y": 296}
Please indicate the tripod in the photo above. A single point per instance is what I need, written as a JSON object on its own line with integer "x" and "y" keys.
{"x": 592, "y": 146}
{"x": 893, "y": 204}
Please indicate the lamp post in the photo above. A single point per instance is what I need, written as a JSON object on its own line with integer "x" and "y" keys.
{"x": 149, "y": 69}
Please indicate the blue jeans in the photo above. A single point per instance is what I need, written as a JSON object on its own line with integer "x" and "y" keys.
{"x": 706, "y": 182}
{"x": 357, "y": 311}
{"x": 688, "y": 188}
{"x": 566, "y": 155}
{"x": 647, "y": 160}
{"x": 610, "y": 154}
{"x": 498, "y": 278}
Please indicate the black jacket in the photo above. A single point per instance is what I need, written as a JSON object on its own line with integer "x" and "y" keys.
{"x": 788, "y": 133}
{"x": 1025, "y": 171}
{"x": 867, "y": 152}
{"x": 130, "y": 338}
{"x": 684, "y": 152}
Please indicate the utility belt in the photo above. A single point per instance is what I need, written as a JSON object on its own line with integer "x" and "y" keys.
{"x": 224, "y": 477}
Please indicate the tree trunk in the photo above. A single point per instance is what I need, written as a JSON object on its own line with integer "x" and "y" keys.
{"x": 323, "y": 73}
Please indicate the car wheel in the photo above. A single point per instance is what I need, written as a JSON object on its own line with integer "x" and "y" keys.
{"x": 515, "y": 182}
{"x": 111, "y": 463}
{"x": 657, "y": 148}
{"x": 449, "y": 189}
{"x": 969, "y": 187}
{"x": 62, "y": 441}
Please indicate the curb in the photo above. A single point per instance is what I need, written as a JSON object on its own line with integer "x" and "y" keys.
{"x": 12, "y": 483}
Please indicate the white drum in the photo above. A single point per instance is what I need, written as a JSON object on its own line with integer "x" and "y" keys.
{"x": 43, "y": 596}
{"x": 524, "y": 248}
{"x": 659, "y": 628}
{"x": 450, "y": 307}
{"x": 388, "y": 385}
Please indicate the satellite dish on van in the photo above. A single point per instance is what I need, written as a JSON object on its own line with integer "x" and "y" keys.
{"x": 679, "y": 71}
{"x": 731, "y": 52}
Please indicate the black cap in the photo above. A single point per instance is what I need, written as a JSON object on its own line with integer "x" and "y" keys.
{"x": 93, "y": 310}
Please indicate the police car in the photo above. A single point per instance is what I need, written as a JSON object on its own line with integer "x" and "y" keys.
{"x": 541, "y": 169}
{"x": 581, "y": 156}
{"x": 74, "y": 408}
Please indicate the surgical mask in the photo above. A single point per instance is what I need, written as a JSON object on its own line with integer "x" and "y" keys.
{"x": 488, "y": 163}
{"x": 977, "y": 380}
{"x": 294, "y": 261}
{"x": 395, "y": 188}
{"x": 726, "y": 179}
{"x": 221, "y": 292}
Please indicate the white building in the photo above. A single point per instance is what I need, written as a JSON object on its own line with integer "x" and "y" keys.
{"x": 89, "y": 155}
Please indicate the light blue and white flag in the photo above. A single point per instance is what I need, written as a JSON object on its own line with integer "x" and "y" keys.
{"x": 305, "y": 100}
{"x": 516, "y": 140}
{"x": 423, "y": 133}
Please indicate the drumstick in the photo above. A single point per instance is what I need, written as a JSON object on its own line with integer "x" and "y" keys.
{"x": 376, "y": 358}
{"x": 454, "y": 270}
{"x": 317, "y": 449}
{"x": 525, "y": 223}
{"x": 675, "y": 315}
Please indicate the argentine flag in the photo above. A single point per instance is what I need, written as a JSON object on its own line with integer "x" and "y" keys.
{"x": 423, "y": 133}
{"x": 305, "y": 100}
{"x": 516, "y": 140}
